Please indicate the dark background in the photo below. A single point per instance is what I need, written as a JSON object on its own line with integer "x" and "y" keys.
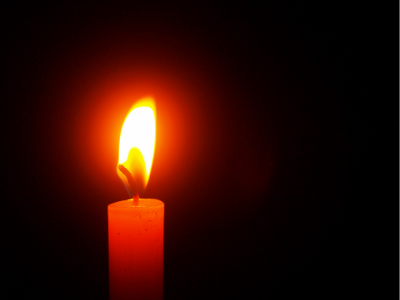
{"x": 276, "y": 153}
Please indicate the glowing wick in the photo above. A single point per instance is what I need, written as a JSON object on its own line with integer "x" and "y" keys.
{"x": 132, "y": 184}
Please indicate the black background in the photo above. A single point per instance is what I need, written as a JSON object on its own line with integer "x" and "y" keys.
{"x": 276, "y": 154}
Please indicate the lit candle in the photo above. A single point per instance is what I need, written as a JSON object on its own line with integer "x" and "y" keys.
{"x": 136, "y": 226}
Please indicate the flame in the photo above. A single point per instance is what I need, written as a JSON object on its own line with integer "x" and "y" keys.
{"x": 137, "y": 144}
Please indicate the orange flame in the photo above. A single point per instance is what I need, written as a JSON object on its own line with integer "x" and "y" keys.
{"x": 137, "y": 144}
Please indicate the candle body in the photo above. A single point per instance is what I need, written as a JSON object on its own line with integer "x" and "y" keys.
{"x": 136, "y": 249}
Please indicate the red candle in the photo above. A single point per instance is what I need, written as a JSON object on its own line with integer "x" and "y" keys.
{"x": 136, "y": 226}
{"x": 136, "y": 247}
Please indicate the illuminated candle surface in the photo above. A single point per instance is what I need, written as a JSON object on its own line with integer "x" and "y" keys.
{"x": 136, "y": 226}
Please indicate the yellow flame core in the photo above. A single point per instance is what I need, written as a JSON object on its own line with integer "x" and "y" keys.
{"x": 137, "y": 143}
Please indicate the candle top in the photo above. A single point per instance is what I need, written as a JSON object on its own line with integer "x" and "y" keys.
{"x": 151, "y": 203}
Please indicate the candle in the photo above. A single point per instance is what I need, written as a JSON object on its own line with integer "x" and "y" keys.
{"x": 136, "y": 239}
{"x": 136, "y": 226}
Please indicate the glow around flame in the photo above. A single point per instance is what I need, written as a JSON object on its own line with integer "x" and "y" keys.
{"x": 137, "y": 143}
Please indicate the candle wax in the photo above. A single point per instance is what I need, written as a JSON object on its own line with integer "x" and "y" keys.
{"x": 136, "y": 249}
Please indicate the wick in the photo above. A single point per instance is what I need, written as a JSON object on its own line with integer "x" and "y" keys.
{"x": 132, "y": 184}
